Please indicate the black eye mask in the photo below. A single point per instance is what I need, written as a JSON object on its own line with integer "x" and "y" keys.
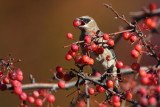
{"x": 85, "y": 20}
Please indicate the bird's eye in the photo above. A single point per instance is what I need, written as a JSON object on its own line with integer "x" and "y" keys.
{"x": 85, "y": 20}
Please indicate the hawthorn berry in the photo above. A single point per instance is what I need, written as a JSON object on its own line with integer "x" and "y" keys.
{"x": 133, "y": 38}
{"x": 142, "y": 73}
{"x": 67, "y": 77}
{"x": 68, "y": 57}
{"x": 100, "y": 50}
{"x": 138, "y": 47}
{"x": 119, "y": 64}
{"x": 59, "y": 75}
{"x": 93, "y": 46}
{"x": 38, "y": 102}
{"x": 109, "y": 83}
{"x": 145, "y": 80}
{"x": 126, "y": 35}
{"x": 152, "y": 101}
{"x": 17, "y": 90}
{"x": 69, "y": 35}
{"x": 85, "y": 58}
{"x": 105, "y": 36}
{"x": 59, "y": 69}
{"x": 91, "y": 91}
{"x": 77, "y": 23}
{"x": 23, "y": 96}
{"x": 90, "y": 61}
{"x": 116, "y": 98}
{"x": 74, "y": 47}
{"x": 19, "y": 72}
{"x": 35, "y": 94}
{"x": 152, "y": 6}
{"x": 87, "y": 39}
{"x": 6, "y": 80}
{"x": 61, "y": 84}
{"x": 135, "y": 66}
{"x": 51, "y": 98}
{"x": 100, "y": 88}
{"x": 16, "y": 83}
{"x": 19, "y": 77}
{"x": 110, "y": 42}
{"x": 12, "y": 75}
{"x": 143, "y": 101}
{"x": 142, "y": 91}
{"x": 128, "y": 95}
{"x": 72, "y": 53}
{"x": 135, "y": 54}
{"x": 31, "y": 99}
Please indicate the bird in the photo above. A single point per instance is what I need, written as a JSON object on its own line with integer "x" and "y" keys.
{"x": 88, "y": 27}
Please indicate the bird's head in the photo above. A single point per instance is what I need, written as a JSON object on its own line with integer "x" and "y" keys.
{"x": 85, "y": 23}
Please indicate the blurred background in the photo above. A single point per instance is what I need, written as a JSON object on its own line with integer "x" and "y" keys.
{"x": 34, "y": 31}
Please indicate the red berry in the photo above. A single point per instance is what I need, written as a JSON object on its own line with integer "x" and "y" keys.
{"x": 110, "y": 42}
{"x": 16, "y": 83}
{"x": 152, "y": 6}
{"x": 128, "y": 95}
{"x": 51, "y": 98}
{"x": 78, "y": 59}
{"x": 61, "y": 84}
{"x": 74, "y": 47}
{"x": 68, "y": 57}
{"x": 116, "y": 104}
{"x": 88, "y": 47}
{"x": 152, "y": 101}
{"x": 38, "y": 102}
{"x": 81, "y": 103}
{"x": 23, "y": 96}
{"x": 85, "y": 58}
{"x": 93, "y": 46}
{"x": 90, "y": 61}
{"x": 71, "y": 53}
{"x": 87, "y": 39}
{"x": 143, "y": 101}
{"x": 67, "y": 77}
{"x": 59, "y": 75}
{"x": 138, "y": 47}
{"x": 100, "y": 88}
{"x": 12, "y": 75}
{"x": 69, "y": 35}
{"x": 97, "y": 74}
{"x": 145, "y": 80}
{"x": 126, "y": 35}
{"x": 42, "y": 92}
{"x": 116, "y": 98}
{"x": 105, "y": 36}
{"x": 35, "y": 94}
{"x": 77, "y": 23}
{"x": 19, "y": 72}
{"x": 100, "y": 50}
{"x": 135, "y": 54}
{"x": 142, "y": 73}
{"x": 59, "y": 69}
{"x": 19, "y": 77}
{"x": 91, "y": 91}
{"x": 133, "y": 38}
{"x": 151, "y": 23}
{"x": 135, "y": 66}
{"x": 17, "y": 90}
{"x": 31, "y": 99}
{"x": 142, "y": 91}
{"x": 109, "y": 83}
{"x": 5, "y": 80}
{"x": 119, "y": 64}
